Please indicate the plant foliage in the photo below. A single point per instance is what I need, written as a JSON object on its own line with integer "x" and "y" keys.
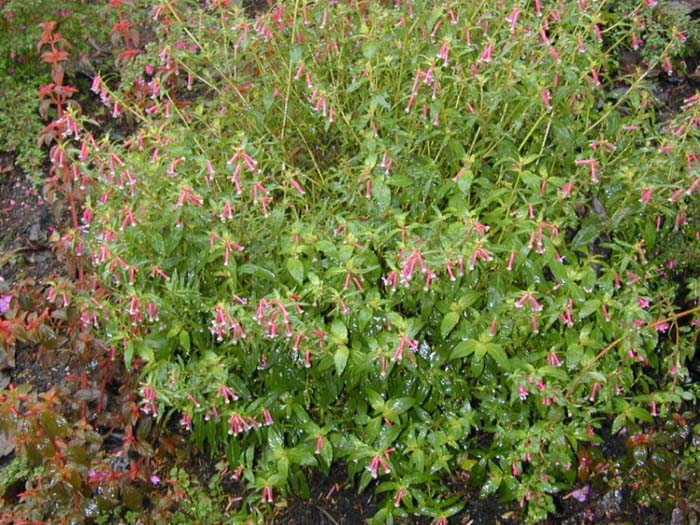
{"x": 419, "y": 240}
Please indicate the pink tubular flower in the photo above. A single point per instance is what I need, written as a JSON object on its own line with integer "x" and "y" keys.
{"x": 188, "y": 196}
{"x": 400, "y": 495}
{"x": 224, "y": 323}
{"x": 391, "y": 280}
{"x": 636, "y": 42}
{"x": 593, "y": 165}
{"x": 267, "y": 416}
{"x": 646, "y": 195}
{"x": 404, "y": 342}
{"x": 513, "y": 18}
{"x": 487, "y": 54}
{"x": 149, "y": 404}
{"x": 598, "y": 32}
{"x": 480, "y": 254}
{"x": 581, "y": 46}
{"x": 662, "y": 327}
{"x": 267, "y": 495}
{"x": 444, "y": 52}
{"x": 97, "y": 85}
{"x": 546, "y": 98}
{"x": 227, "y": 212}
{"x": 511, "y": 260}
{"x": 228, "y": 394}
{"x": 676, "y": 195}
{"x": 553, "y": 359}
{"x": 237, "y": 425}
{"x": 186, "y": 421}
{"x": 319, "y": 444}
{"x": 413, "y": 262}
{"x": 668, "y": 67}
{"x": 523, "y": 393}
{"x": 529, "y": 299}
{"x": 172, "y": 169}
{"x": 378, "y": 462}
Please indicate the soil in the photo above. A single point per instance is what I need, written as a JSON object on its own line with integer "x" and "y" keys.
{"x": 26, "y": 223}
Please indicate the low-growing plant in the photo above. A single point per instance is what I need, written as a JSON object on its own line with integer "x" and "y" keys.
{"x": 80, "y": 449}
{"x": 21, "y": 71}
{"x": 421, "y": 240}
{"x": 666, "y": 32}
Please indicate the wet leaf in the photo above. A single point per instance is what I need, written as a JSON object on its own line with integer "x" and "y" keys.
{"x": 341, "y": 359}
{"x": 296, "y": 270}
{"x": 448, "y": 323}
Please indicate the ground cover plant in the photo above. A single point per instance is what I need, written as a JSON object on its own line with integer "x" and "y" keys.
{"x": 423, "y": 240}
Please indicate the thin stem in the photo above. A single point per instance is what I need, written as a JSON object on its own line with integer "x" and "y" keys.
{"x": 289, "y": 72}
{"x": 619, "y": 340}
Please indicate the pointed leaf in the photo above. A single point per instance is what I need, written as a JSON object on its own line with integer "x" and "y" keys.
{"x": 464, "y": 349}
{"x": 339, "y": 331}
{"x": 341, "y": 359}
{"x": 448, "y": 323}
{"x": 296, "y": 270}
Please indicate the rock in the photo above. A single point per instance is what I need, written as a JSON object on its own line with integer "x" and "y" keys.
{"x": 37, "y": 234}
{"x": 609, "y": 505}
{"x": 7, "y": 445}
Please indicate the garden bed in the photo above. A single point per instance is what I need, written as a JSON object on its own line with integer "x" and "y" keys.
{"x": 297, "y": 357}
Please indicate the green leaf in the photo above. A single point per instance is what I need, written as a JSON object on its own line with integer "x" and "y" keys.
{"x": 375, "y": 400}
{"x": 448, "y": 323}
{"x": 327, "y": 452}
{"x": 296, "y": 269}
{"x": 588, "y": 308}
{"x": 341, "y": 359}
{"x": 618, "y": 423}
{"x": 641, "y": 414}
{"x": 382, "y": 193}
{"x": 256, "y": 271}
{"x": 174, "y": 329}
{"x": 295, "y": 54}
{"x": 128, "y": 354}
{"x": 498, "y": 354}
{"x": 464, "y": 349}
{"x": 339, "y": 331}
{"x": 369, "y": 49}
{"x": 401, "y": 404}
{"x": 586, "y": 235}
{"x": 491, "y": 485}
{"x": 185, "y": 340}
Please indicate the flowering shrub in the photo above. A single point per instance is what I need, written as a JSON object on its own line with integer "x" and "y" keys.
{"x": 21, "y": 71}
{"x": 421, "y": 240}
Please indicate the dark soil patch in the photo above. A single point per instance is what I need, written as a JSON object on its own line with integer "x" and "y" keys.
{"x": 333, "y": 502}
{"x": 26, "y": 223}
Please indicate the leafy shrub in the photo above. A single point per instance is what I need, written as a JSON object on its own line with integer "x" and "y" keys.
{"x": 668, "y": 32}
{"x": 420, "y": 240}
{"x": 21, "y": 70}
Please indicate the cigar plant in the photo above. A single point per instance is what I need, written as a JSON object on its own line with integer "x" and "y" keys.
{"x": 426, "y": 240}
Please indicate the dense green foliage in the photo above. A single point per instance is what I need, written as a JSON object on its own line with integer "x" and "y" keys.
{"x": 420, "y": 240}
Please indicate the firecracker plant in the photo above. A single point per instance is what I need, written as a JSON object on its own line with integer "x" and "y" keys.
{"x": 421, "y": 239}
